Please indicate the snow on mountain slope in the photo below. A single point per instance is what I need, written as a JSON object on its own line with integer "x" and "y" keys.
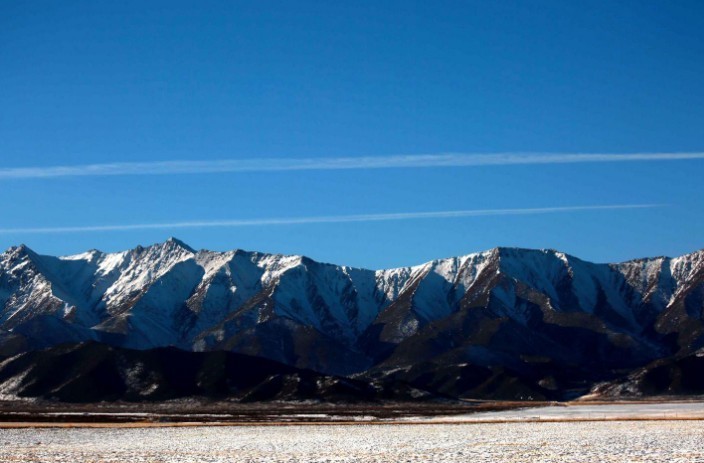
{"x": 26, "y": 290}
{"x": 339, "y": 319}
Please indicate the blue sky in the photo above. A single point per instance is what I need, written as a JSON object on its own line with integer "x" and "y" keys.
{"x": 242, "y": 83}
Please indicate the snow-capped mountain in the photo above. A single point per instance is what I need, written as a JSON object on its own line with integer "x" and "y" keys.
{"x": 543, "y": 316}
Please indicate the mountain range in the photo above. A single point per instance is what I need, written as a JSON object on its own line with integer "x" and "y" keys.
{"x": 506, "y": 323}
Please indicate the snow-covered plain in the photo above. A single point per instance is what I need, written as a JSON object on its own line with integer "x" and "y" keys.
{"x": 583, "y": 411}
{"x": 611, "y": 441}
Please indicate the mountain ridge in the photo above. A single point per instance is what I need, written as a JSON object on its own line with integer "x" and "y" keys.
{"x": 498, "y": 309}
{"x": 183, "y": 244}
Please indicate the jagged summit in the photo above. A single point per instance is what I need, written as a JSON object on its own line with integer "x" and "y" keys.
{"x": 20, "y": 249}
{"x": 15, "y": 248}
{"x": 175, "y": 242}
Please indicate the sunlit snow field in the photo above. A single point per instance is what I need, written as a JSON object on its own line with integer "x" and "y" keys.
{"x": 619, "y": 441}
{"x": 524, "y": 437}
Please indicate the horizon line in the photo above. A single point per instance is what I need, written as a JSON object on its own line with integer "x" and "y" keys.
{"x": 277, "y": 221}
{"x": 176, "y": 167}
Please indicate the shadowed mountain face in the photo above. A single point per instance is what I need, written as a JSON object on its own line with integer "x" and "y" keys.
{"x": 677, "y": 376}
{"x": 92, "y": 372}
{"x": 506, "y": 322}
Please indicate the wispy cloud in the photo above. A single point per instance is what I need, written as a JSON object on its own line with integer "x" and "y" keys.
{"x": 324, "y": 219}
{"x": 333, "y": 163}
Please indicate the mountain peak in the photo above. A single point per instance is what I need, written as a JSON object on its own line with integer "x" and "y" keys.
{"x": 175, "y": 242}
{"x": 20, "y": 250}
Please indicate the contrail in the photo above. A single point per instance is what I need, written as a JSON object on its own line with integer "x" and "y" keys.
{"x": 332, "y": 163}
{"x": 324, "y": 219}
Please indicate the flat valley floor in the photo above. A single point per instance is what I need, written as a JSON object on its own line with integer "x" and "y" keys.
{"x": 525, "y": 436}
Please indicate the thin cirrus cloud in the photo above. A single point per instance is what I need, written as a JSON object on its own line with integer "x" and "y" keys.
{"x": 332, "y": 163}
{"x": 325, "y": 219}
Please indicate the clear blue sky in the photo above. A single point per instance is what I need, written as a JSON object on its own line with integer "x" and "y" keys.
{"x": 99, "y": 82}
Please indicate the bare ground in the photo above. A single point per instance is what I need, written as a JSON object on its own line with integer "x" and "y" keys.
{"x": 200, "y": 413}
